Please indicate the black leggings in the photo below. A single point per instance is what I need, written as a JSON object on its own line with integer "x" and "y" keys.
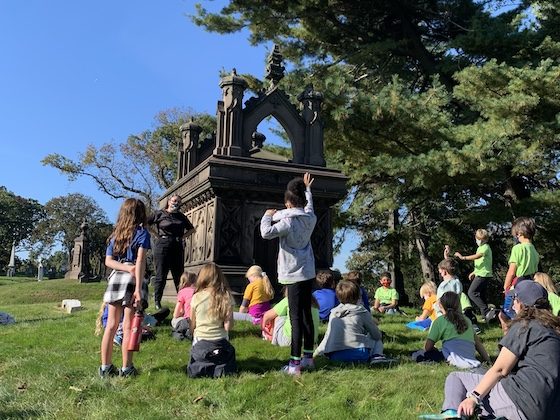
{"x": 299, "y": 304}
{"x": 168, "y": 255}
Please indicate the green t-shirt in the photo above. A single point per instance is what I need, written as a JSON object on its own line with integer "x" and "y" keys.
{"x": 526, "y": 258}
{"x": 483, "y": 265}
{"x": 554, "y": 301}
{"x": 281, "y": 308}
{"x": 386, "y": 295}
{"x": 444, "y": 330}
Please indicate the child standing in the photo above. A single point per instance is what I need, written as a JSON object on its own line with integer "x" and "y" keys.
{"x": 523, "y": 263}
{"x": 428, "y": 292}
{"x": 351, "y": 335}
{"x": 386, "y": 298}
{"x": 296, "y": 264}
{"x": 211, "y": 320}
{"x": 482, "y": 273}
{"x": 182, "y": 313}
{"x": 356, "y": 277}
{"x": 458, "y": 339}
{"x": 545, "y": 281}
{"x": 325, "y": 294}
{"x": 126, "y": 255}
{"x": 256, "y": 299}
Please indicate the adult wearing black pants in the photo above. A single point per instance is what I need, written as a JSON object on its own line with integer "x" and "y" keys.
{"x": 482, "y": 273}
{"x": 169, "y": 251}
{"x": 296, "y": 265}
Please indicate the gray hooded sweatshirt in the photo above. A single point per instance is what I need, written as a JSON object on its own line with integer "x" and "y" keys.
{"x": 350, "y": 327}
{"x": 294, "y": 228}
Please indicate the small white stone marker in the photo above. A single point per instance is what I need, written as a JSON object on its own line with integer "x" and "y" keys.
{"x": 71, "y": 305}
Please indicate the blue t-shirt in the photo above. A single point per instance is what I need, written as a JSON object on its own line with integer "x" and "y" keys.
{"x": 141, "y": 239}
{"x": 326, "y": 298}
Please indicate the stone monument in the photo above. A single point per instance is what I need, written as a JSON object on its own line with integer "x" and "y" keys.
{"x": 40, "y": 270}
{"x": 12, "y": 265}
{"x": 227, "y": 181}
{"x": 80, "y": 267}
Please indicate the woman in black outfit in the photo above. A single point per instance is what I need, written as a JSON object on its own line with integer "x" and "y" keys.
{"x": 169, "y": 251}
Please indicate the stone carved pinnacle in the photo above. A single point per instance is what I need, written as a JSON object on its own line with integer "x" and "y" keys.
{"x": 274, "y": 67}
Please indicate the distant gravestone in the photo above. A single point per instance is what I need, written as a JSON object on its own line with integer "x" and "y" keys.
{"x": 71, "y": 305}
{"x": 40, "y": 271}
{"x": 12, "y": 265}
{"x": 80, "y": 268}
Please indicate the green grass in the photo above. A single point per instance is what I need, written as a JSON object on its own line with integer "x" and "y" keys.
{"x": 49, "y": 361}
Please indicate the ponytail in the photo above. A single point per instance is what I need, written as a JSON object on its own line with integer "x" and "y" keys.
{"x": 450, "y": 302}
{"x": 269, "y": 290}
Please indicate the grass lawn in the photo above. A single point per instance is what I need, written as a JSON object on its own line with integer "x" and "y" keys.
{"x": 49, "y": 361}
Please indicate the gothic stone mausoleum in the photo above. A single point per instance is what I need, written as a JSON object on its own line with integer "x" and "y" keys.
{"x": 227, "y": 180}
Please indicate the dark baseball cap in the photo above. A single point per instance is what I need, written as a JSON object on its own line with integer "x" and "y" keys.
{"x": 529, "y": 291}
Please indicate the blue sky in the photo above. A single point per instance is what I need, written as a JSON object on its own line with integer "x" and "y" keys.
{"x": 75, "y": 73}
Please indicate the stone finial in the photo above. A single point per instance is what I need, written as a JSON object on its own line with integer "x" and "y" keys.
{"x": 274, "y": 67}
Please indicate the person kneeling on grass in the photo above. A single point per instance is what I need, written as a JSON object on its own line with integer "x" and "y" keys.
{"x": 457, "y": 336}
{"x": 524, "y": 382}
{"x": 352, "y": 335}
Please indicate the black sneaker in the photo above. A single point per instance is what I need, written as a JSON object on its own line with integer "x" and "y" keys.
{"x": 128, "y": 372}
{"x": 110, "y": 371}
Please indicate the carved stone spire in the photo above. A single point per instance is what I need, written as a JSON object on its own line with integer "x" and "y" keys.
{"x": 274, "y": 67}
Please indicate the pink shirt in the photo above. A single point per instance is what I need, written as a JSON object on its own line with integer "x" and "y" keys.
{"x": 184, "y": 297}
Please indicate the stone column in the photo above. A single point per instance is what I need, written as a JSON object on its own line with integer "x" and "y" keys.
{"x": 12, "y": 265}
{"x": 311, "y": 113}
{"x": 191, "y": 135}
{"x": 230, "y": 128}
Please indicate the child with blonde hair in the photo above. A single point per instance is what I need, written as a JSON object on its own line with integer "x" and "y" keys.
{"x": 257, "y": 296}
{"x": 182, "y": 313}
{"x": 545, "y": 281}
{"x": 482, "y": 273}
{"x": 126, "y": 255}
{"x": 428, "y": 292}
{"x": 211, "y": 320}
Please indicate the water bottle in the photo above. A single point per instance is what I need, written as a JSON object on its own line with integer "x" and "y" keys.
{"x": 136, "y": 331}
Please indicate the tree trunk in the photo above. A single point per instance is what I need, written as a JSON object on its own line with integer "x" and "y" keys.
{"x": 421, "y": 241}
{"x": 395, "y": 260}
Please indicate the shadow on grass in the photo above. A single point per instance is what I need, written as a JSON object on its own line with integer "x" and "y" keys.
{"x": 20, "y": 414}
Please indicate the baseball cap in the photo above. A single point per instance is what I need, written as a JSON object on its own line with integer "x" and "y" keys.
{"x": 529, "y": 291}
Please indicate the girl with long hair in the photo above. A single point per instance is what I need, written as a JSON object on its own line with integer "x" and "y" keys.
{"x": 257, "y": 296}
{"x": 126, "y": 256}
{"x": 456, "y": 334}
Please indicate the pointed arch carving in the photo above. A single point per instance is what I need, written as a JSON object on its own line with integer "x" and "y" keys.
{"x": 276, "y": 104}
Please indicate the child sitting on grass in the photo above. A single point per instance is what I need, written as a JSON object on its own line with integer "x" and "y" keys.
{"x": 257, "y": 296}
{"x": 352, "y": 335}
{"x": 356, "y": 278}
{"x": 325, "y": 294}
{"x": 545, "y": 281}
{"x": 182, "y": 313}
{"x": 211, "y": 319}
{"x": 276, "y": 326}
{"x": 456, "y": 334}
{"x": 428, "y": 293}
{"x": 386, "y": 297}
